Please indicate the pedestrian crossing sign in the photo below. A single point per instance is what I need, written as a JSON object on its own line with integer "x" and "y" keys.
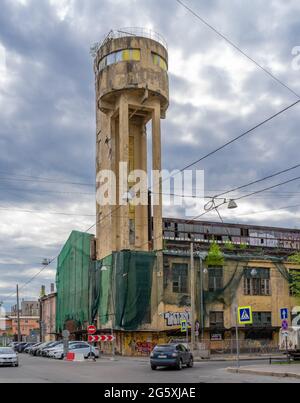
{"x": 245, "y": 315}
{"x": 184, "y": 326}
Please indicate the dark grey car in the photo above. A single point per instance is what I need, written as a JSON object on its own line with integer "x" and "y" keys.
{"x": 171, "y": 355}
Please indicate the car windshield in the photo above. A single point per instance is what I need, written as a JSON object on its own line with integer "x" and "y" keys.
{"x": 4, "y": 351}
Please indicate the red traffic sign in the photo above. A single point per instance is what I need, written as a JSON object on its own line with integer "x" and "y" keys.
{"x": 92, "y": 330}
{"x": 98, "y": 339}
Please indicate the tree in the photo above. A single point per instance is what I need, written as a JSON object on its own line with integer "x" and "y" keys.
{"x": 215, "y": 256}
{"x": 295, "y": 275}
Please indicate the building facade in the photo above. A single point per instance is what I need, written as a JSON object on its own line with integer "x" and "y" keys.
{"x": 134, "y": 279}
{"x": 29, "y": 327}
{"x": 28, "y": 308}
{"x": 48, "y": 316}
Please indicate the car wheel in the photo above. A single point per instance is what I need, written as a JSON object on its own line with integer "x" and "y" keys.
{"x": 153, "y": 367}
{"x": 191, "y": 363}
{"x": 179, "y": 365}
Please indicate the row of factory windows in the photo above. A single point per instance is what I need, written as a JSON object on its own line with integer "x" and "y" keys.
{"x": 127, "y": 55}
{"x": 185, "y": 231}
{"x": 257, "y": 281}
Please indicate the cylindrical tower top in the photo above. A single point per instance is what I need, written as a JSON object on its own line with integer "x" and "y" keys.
{"x": 132, "y": 59}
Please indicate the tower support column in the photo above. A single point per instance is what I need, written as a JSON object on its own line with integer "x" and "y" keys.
{"x": 157, "y": 180}
{"x": 123, "y": 211}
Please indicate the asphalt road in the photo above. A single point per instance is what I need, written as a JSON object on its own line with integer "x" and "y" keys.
{"x": 39, "y": 370}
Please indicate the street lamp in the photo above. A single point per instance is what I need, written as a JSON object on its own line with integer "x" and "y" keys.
{"x": 232, "y": 205}
{"x": 211, "y": 205}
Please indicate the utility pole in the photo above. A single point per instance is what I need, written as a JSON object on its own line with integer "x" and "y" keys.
{"x": 192, "y": 298}
{"x": 18, "y": 315}
{"x": 237, "y": 338}
{"x": 202, "y": 299}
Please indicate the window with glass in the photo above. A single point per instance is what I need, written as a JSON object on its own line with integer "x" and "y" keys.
{"x": 262, "y": 319}
{"x": 216, "y": 319}
{"x": 180, "y": 278}
{"x": 215, "y": 279}
{"x": 159, "y": 61}
{"x": 257, "y": 282}
{"x": 125, "y": 55}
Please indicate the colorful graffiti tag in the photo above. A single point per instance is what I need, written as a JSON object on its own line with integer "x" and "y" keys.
{"x": 175, "y": 318}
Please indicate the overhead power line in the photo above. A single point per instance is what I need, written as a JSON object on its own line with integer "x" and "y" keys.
{"x": 266, "y": 189}
{"x": 260, "y": 180}
{"x": 52, "y": 260}
{"x": 269, "y": 211}
{"x": 236, "y": 47}
{"x": 46, "y": 212}
{"x": 238, "y": 137}
{"x": 44, "y": 180}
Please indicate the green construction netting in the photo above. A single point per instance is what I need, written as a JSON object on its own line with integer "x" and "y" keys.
{"x": 227, "y": 294}
{"x": 72, "y": 281}
{"x": 122, "y": 289}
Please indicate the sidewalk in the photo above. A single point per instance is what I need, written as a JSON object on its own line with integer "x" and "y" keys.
{"x": 243, "y": 357}
{"x": 214, "y": 358}
{"x": 276, "y": 370}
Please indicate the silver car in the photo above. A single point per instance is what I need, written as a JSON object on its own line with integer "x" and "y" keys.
{"x": 8, "y": 357}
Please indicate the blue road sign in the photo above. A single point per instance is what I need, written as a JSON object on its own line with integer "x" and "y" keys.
{"x": 285, "y": 325}
{"x": 284, "y": 313}
{"x": 245, "y": 316}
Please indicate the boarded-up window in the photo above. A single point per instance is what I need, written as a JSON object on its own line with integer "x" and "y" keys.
{"x": 216, "y": 319}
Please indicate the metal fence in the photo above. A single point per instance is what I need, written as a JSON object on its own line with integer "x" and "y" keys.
{"x": 139, "y": 32}
{"x": 229, "y": 347}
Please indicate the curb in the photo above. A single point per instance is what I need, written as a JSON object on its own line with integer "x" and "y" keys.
{"x": 245, "y": 359}
{"x": 263, "y": 373}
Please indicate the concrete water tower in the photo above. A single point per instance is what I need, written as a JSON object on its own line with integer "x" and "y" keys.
{"x": 132, "y": 89}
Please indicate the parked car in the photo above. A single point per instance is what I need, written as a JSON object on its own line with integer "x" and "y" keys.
{"x": 13, "y": 344}
{"x": 171, "y": 355}
{"x": 39, "y": 350}
{"x": 78, "y": 348}
{"x": 59, "y": 348}
{"x": 53, "y": 345}
{"x": 24, "y": 347}
{"x": 28, "y": 349}
{"x": 20, "y": 347}
{"x": 8, "y": 357}
{"x": 34, "y": 349}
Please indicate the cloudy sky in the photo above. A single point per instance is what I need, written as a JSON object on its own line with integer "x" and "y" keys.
{"x": 47, "y": 131}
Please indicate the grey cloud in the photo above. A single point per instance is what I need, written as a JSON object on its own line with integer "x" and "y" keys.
{"x": 48, "y": 123}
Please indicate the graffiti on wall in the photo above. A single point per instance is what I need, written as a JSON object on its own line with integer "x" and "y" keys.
{"x": 296, "y": 316}
{"x": 175, "y": 318}
{"x": 142, "y": 344}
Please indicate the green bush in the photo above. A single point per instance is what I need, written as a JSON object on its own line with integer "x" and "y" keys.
{"x": 215, "y": 256}
{"x": 229, "y": 246}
